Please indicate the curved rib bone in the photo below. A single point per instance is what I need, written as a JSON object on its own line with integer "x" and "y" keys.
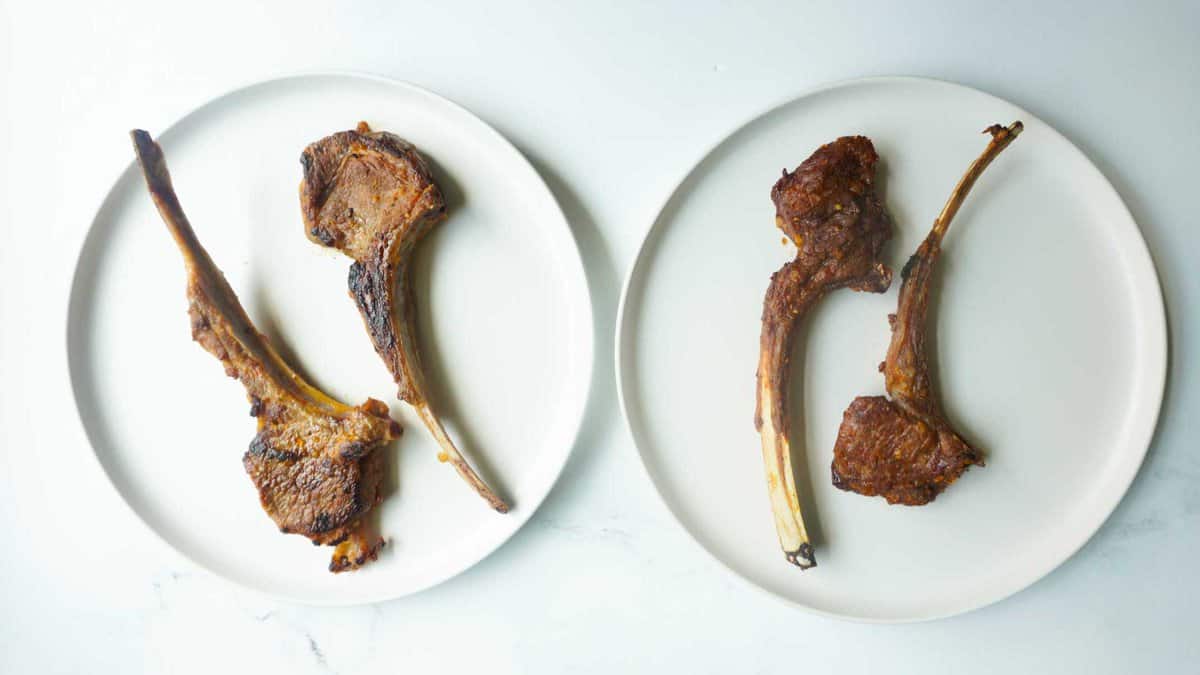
{"x": 829, "y": 209}
{"x": 371, "y": 196}
{"x": 904, "y": 449}
{"x": 314, "y": 460}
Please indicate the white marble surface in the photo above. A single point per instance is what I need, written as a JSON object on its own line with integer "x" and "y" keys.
{"x": 612, "y": 105}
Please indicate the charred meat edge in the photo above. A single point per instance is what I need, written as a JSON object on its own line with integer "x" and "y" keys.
{"x": 379, "y": 279}
{"x": 207, "y": 285}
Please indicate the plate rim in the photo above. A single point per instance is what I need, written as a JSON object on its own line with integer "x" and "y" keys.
{"x": 586, "y": 345}
{"x": 1142, "y": 430}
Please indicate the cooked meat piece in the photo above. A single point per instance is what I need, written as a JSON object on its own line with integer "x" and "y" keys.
{"x": 903, "y": 448}
{"x": 315, "y": 461}
{"x": 827, "y": 207}
{"x": 371, "y": 196}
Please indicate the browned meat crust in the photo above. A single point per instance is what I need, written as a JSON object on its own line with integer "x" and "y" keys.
{"x": 829, "y": 208}
{"x": 315, "y": 461}
{"x": 904, "y": 449}
{"x": 884, "y": 450}
{"x": 372, "y": 196}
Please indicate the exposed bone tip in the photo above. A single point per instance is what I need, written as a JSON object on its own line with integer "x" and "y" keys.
{"x": 144, "y": 147}
{"x": 802, "y": 557}
{"x": 999, "y": 130}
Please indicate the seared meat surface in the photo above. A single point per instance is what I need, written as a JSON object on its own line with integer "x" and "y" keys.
{"x": 903, "y": 449}
{"x": 315, "y": 461}
{"x": 828, "y": 207}
{"x": 372, "y": 196}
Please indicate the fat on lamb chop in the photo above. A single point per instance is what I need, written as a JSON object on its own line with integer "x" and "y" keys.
{"x": 829, "y": 208}
{"x": 903, "y": 449}
{"x": 317, "y": 463}
{"x": 371, "y": 196}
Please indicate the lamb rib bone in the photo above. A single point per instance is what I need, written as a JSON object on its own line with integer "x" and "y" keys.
{"x": 315, "y": 461}
{"x": 372, "y": 196}
{"x": 827, "y": 207}
{"x": 904, "y": 449}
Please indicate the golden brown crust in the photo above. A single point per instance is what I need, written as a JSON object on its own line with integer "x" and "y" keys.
{"x": 316, "y": 473}
{"x": 315, "y": 461}
{"x": 372, "y": 196}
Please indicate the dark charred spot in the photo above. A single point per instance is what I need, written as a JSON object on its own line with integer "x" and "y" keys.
{"x": 306, "y": 161}
{"x": 256, "y": 406}
{"x": 912, "y": 262}
{"x": 368, "y": 286}
{"x": 322, "y": 523}
{"x": 323, "y": 235}
{"x": 806, "y": 554}
{"x": 261, "y": 447}
{"x": 353, "y": 450}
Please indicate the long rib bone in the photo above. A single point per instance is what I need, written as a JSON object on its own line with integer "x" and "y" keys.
{"x": 904, "y": 449}
{"x": 314, "y": 460}
{"x": 827, "y": 207}
{"x": 906, "y": 369}
{"x": 371, "y": 196}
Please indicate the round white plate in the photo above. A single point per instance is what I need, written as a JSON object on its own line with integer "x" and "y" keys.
{"x": 505, "y": 323}
{"x": 1051, "y": 347}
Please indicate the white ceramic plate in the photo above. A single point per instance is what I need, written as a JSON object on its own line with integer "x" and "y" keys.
{"x": 1051, "y": 349}
{"x": 505, "y": 323}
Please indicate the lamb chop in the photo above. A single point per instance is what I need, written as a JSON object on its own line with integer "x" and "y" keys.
{"x": 315, "y": 462}
{"x": 829, "y": 208}
{"x": 903, "y": 448}
{"x": 372, "y": 196}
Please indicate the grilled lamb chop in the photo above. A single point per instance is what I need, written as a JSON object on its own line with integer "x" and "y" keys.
{"x": 315, "y": 461}
{"x": 827, "y": 207}
{"x": 903, "y": 448}
{"x": 371, "y": 196}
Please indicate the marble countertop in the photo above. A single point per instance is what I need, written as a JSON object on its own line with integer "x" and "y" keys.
{"x": 601, "y": 579}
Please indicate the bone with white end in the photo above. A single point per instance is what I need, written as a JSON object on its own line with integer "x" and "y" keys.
{"x": 829, "y": 210}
